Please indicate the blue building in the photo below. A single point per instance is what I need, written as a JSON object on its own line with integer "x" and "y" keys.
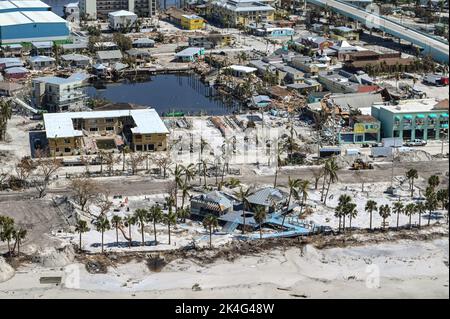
{"x": 27, "y": 21}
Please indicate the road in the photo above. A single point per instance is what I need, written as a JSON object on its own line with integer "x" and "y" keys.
{"x": 136, "y": 185}
{"x": 437, "y": 49}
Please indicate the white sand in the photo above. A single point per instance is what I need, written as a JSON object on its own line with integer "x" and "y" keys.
{"x": 401, "y": 270}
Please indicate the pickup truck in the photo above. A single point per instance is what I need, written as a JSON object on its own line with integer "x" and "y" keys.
{"x": 416, "y": 142}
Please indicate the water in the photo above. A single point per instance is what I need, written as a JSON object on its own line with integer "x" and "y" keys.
{"x": 166, "y": 93}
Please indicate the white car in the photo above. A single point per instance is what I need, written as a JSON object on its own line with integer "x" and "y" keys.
{"x": 416, "y": 142}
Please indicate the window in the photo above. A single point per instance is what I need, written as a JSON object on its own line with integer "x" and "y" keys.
{"x": 67, "y": 141}
{"x": 109, "y": 120}
{"x": 93, "y": 129}
{"x": 110, "y": 128}
{"x": 57, "y": 149}
{"x": 67, "y": 150}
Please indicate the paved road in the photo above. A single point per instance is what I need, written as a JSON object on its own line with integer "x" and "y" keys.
{"x": 438, "y": 49}
{"x": 382, "y": 172}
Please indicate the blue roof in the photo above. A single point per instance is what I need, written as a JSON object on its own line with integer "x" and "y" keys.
{"x": 189, "y": 52}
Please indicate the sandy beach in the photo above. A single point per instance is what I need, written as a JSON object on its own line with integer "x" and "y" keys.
{"x": 406, "y": 269}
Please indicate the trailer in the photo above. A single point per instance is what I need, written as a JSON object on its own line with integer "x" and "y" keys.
{"x": 381, "y": 151}
{"x": 392, "y": 142}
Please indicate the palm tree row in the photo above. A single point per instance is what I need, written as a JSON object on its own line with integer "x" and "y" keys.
{"x": 5, "y": 115}
{"x": 141, "y": 218}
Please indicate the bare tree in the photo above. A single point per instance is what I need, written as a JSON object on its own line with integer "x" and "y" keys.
{"x": 23, "y": 169}
{"x": 45, "y": 168}
{"x": 110, "y": 161}
{"x": 103, "y": 203}
{"x": 163, "y": 162}
{"x": 84, "y": 190}
{"x": 135, "y": 160}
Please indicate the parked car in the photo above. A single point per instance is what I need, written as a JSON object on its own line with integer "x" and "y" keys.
{"x": 416, "y": 142}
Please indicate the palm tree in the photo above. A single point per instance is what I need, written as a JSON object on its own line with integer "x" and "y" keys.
{"x": 431, "y": 201}
{"x": 260, "y": 217}
{"x": 433, "y": 181}
{"x": 338, "y": 213}
{"x": 410, "y": 209}
{"x": 233, "y": 182}
{"x": 184, "y": 213}
{"x": 420, "y": 208}
{"x": 210, "y": 222}
{"x": 442, "y": 197}
{"x": 155, "y": 216}
{"x": 116, "y": 221}
{"x": 398, "y": 209}
{"x": 141, "y": 217}
{"x": 303, "y": 189}
{"x": 170, "y": 219}
{"x": 184, "y": 193}
{"x": 293, "y": 184}
{"x": 242, "y": 196}
{"x": 102, "y": 224}
{"x": 343, "y": 208}
{"x": 5, "y": 115}
{"x": 371, "y": 206}
{"x": 178, "y": 173}
{"x": 332, "y": 169}
{"x": 279, "y": 151}
{"x": 385, "y": 212}
{"x": 352, "y": 212}
{"x": 411, "y": 175}
{"x": 189, "y": 173}
{"x": 81, "y": 227}
{"x": 129, "y": 221}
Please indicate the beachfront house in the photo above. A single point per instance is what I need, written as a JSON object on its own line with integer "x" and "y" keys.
{"x": 269, "y": 198}
{"x": 241, "y": 70}
{"x": 213, "y": 203}
{"x": 190, "y": 54}
{"x": 111, "y": 56}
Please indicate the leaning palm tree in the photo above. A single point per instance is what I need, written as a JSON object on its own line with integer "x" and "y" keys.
{"x": 385, "y": 212}
{"x": 242, "y": 196}
{"x": 177, "y": 173}
{"x": 420, "y": 208}
{"x": 293, "y": 184}
{"x": 411, "y": 175}
{"x": 409, "y": 210}
{"x": 155, "y": 216}
{"x": 129, "y": 221}
{"x": 141, "y": 217}
{"x": 102, "y": 224}
{"x": 210, "y": 222}
{"x": 398, "y": 209}
{"x": 116, "y": 222}
{"x": 371, "y": 206}
{"x": 303, "y": 190}
{"x": 170, "y": 219}
{"x": 260, "y": 217}
{"x": 81, "y": 227}
{"x": 332, "y": 169}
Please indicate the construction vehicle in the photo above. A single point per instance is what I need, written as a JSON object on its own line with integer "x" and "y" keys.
{"x": 360, "y": 164}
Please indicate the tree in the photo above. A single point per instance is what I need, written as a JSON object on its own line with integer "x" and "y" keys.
{"x": 123, "y": 42}
{"x": 204, "y": 164}
{"x": 19, "y": 235}
{"x": 81, "y": 227}
{"x": 430, "y": 202}
{"x": 371, "y": 206}
{"x": 135, "y": 160}
{"x": 433, "y": 181}
{"x": 155, "y": 216}
{"x": 420, "y": 208}
{"x": 102, "y": 224}
{"x": 293, "y": 184}
{"x": 332, "y": 168}
{"x": 141, "y": 216}
{"x": 442, "y": 197}
{"x": 184, "y": 193}
{"x": 343, "y": 208}
{"x": 45, "y": 168}
{"x": 7, "y": 231}
{"x": 352, "y": 212}
{"x": 385, "y": 212}
{"x": 398, "y": 209}
{"x": 183, "y": 213}
{"x": 125, "y": 150}
{"x": 170, "y": 219}
{"x": 233, "y": 183}
{"x": 163, "y": 162}
{"x": 411, "y": 175}
{"x": 409, "y": 210}
{"x": 303, "y": 189}
{"x": 210, "y": 222}
{"x": 178, "y": 174}
{"x": 5, "y": 115}
{"x": 260, "y": 217}
{"x": 129, "y": 221}
{"x": 242, "y": 196}
{"x": 84, "y": 190}
{"x": 116, "y": 221}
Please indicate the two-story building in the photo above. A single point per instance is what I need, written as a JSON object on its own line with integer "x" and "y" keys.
{"x": 425, "y": 119}
{"x": 232, "y": 13}
{"x": 361, "y": 129}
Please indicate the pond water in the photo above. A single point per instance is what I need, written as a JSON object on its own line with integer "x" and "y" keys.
{"x": 166, "y": 93}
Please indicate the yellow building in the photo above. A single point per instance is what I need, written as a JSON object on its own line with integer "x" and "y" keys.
{"x": 192, "y": 22}
{"x": 75, "y": 133}
{"x": 232, "y": 13}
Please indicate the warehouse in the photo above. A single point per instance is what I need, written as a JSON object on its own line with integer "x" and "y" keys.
{"x": 27, "y": 24}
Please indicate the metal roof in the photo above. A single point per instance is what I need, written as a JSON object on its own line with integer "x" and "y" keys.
{"x": 6, "y": 5}
{"x": 74, "y": 57}
{"x": 189, "y": 52}
{"x": 74, "y": 78}
{"x": 110, "y": 54}
{"x": 18, "y": 69}
{"x": 267, "y": 196}
{"x": 29, "y": 4}
{"x": 13, "y": 18}
{"x": 60, "y": 124}
{"x": 43, "y": 17}
{"x": 41, "y": 58}
{"x": 122, "y": 13}
{"x": 42, "y": 45}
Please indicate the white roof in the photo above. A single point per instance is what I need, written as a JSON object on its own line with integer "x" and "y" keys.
{"x": 43, "y": 17}
{"x": 122, "y": 13}
{"x": 60, "y": 124}
{"x": 13, "y": 18}
{"x": 411, "y": 106}
{"x": 29, "y": 4}
{"x": 242, "y": 68}
{"x": 6, "y": 5}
